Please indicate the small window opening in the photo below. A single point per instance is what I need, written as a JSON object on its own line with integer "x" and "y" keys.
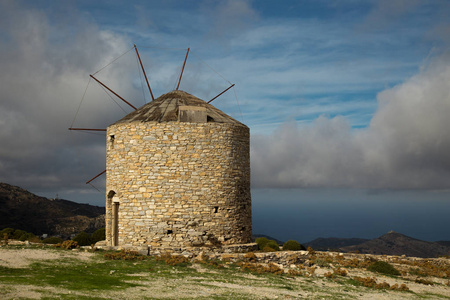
{"x": 169, "y": 231}
{"x": 209, "y": 119}
{"x": 216, "y": 209}
{"x": 243, "y": 228}
{"x": 111, "y": 138}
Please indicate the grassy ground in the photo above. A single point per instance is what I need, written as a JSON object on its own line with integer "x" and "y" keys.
{"x": 79, "y": 275}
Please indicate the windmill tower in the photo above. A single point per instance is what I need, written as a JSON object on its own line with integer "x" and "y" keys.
{"x": 177, "y": 175}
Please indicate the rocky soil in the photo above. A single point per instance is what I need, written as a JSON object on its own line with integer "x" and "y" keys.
{"x": 199, "y": 281}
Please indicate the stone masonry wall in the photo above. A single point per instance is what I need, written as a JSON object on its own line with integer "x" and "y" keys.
{"x": 178, "y": 184}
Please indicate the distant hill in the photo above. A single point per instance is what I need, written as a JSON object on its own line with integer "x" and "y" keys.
{"x": 324, "y": 244}
{"x": 20, "y": 209}
{"x": 444, "y": 243}
{"x": 255, "y": 236}
{"x": 394, "y": 243}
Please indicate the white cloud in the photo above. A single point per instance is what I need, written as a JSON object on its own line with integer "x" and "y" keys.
{"x": 406, "y": 146}
{"x": 284, "y": 68}
{"x": 44, "y": 72}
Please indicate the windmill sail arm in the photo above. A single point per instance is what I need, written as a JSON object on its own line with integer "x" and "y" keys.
{"x": 90, "y": 129}
{"x": 96, "y": 177}
{"x": 102, "y": 84}
{"x": 221, "y": 93}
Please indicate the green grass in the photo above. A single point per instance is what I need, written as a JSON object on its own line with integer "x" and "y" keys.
{"x": 74, "y": 277}
{"x": 98, "y": 278}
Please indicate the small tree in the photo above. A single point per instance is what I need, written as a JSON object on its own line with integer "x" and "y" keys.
{"x": 272, "y": 244}
{"x": 52, "y": 240}
{"x": 8, "y": 231}
{"x": 262, "y": 241}
{"x": 83, "y": 239}
{"x": 28, "y": 236}
{"x": 18, "y": 233}
{"x": 293, "y": 245}
{"x": 98, "y": 235}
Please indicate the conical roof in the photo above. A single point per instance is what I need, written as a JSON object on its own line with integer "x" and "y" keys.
{"x": 166, "y": 109}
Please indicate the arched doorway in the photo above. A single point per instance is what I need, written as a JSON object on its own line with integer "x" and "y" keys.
{"x": 113, "y": 201}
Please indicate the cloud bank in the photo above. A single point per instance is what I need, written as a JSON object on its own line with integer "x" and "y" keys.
{"x": 284, "y": 67}
{"x": 44, "y": 73}
{"x": 406, "y": 145}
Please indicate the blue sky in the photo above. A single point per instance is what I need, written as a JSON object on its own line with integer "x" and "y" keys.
{"x": 346, "y": 100}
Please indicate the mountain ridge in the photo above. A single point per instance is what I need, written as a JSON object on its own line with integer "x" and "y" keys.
{"x": 21, "y": 209}
{"x": 333, "y": 243}
{"x": 394, "y": 243}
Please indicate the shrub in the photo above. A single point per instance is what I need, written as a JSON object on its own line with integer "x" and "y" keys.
{"x": 98, "y": 235}
{"x": 424, "y": 281}
{"x": 8, "y": 232}
{"x": 272, "y": 244}
{"x": 268, "y": 249}
{"x": 366, "y": 281}
{"x": 328, "y": 275}
{"x": 250, "y": 257}
{"x": 260, "y": 268}
{"x": 29, "y": 237}
{"x": 18, "y": 233}
{"x": 83, "y": 239}
{"x": 383, "y": 268}
{"x": 340, "y": 272}
{"x": 68, "y": 245}
{"x": 311, "y": 250}
{"x": 402, "y": 287}
{"x": 293, "y": 245}
{"x": 262, "y": 241}
{"x": 321, "y": 262}
{"x": 52, "y": 240}
{"x": 174, "y": 260}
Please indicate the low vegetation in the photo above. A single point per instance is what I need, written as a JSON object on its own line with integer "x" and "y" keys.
{"x": 18, "y": 234}
{"x": 52, "y": 240}
{"x": 293, "y": 245}
{"x": 86, "y": 239}
{"x": 124, "y": 255}
{"x": 125, "y": 274}
{"x": 82, "y": 239}
{"x": 371, "y": 282}
{"x": 383, "y": 267}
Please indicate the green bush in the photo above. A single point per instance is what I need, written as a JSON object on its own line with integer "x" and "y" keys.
{"x": 268, "y": 249}
{"x": 28, "y": 236}
{"x": 83, "y": 239}
{"x": 293, "y": 245}
{"x": 98, "y": 235}
{"x": 8, "y": 232}
{"x": 18, "y": 233}
{"x": 52, "y": 240}
{"x": 383, "y": 268}
{"x": 272, "y": 244}
{"x": 262, "y": 241}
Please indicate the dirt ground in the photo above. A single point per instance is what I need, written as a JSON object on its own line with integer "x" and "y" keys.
{"x": 189, "y": 287}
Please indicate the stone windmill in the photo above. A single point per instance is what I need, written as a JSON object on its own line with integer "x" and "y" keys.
{"x": 177, "y": 176}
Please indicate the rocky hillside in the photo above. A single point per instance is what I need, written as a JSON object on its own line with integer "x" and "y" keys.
{"x": 394, "y": 243}
{"x": 20, "y": 209}
{"x": 325, "y": 244}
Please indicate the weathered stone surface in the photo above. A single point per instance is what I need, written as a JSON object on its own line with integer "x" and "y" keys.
{"x": 178, "y": 184}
